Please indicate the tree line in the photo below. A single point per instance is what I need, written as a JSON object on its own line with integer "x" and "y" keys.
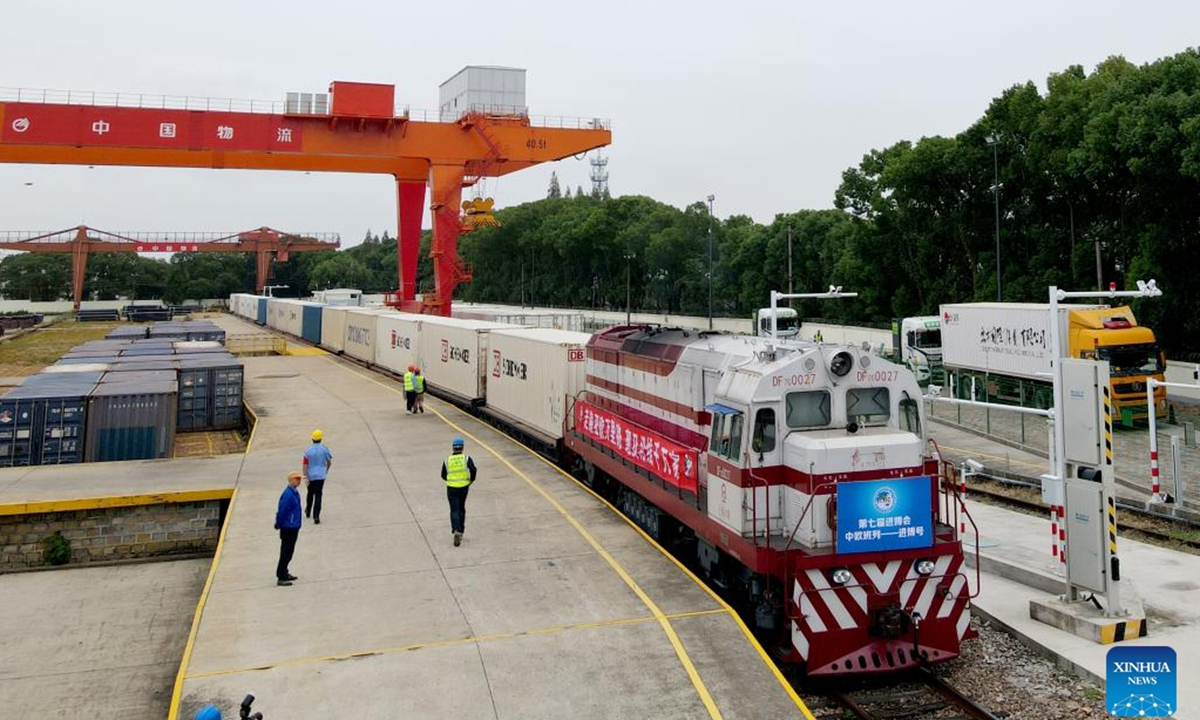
{"x": 1096, "y": 179}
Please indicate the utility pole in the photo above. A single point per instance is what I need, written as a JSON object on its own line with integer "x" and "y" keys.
{"x": 790, "y": 290}
{"x": 994, "y": 141}
{"x": 628, "y": 287}
{"x": 710, "y": 261}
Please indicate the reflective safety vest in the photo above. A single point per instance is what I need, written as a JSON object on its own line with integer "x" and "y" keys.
{"x": 419, "y": 383}
{"x": 408, "y": 382}
{"x": 457, "y": 474}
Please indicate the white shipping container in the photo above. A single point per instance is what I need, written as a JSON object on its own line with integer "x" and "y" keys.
{"x": 453, "y": 353}
{"x": 397, "y": 345}
{"x": 534, "y": 373}
{"x": 359, "y": 338}
{"x": 544, "y": 318}
{"x": 333, "y": 327}
{"x": 1002, "y": 338}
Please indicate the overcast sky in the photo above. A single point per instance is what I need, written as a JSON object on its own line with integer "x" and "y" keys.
{"x": 762, "y": 104}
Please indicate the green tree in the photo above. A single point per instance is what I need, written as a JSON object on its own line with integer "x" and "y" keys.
{"x": 35, "y": 276}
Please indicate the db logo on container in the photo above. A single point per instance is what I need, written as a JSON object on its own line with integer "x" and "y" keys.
{"x": 576, "y": 355}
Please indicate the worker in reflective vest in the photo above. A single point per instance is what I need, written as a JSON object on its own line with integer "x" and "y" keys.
{"x": 419, "y": 389}
{"x": 410, "y": 393}
{"x": 459, "y": 472}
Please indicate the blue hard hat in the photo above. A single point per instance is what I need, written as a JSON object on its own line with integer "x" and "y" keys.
{"x": 456, "y": 442}
{"x": 209, "y": 712}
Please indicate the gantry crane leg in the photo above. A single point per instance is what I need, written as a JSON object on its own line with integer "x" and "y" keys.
{"x": 410, "y": 204}
{"x": 445, "y": 183}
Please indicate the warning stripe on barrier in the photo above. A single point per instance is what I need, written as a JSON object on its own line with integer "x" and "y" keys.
{"x": 1123, "y": 630}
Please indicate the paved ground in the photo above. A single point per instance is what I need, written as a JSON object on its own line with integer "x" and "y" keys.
{"x": 1131, "y": 449}
{"x": 100, "y": 642}
{"x": 553, "y": 607}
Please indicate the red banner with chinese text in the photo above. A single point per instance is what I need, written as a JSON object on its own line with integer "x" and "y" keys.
{"x": 645, "y": 448}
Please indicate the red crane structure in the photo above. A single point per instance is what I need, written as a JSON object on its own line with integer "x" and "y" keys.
{"x": 266, "y": 244}
{"x": 362, "y": 132}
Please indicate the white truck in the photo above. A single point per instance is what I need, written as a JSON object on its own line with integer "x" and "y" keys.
{"x": 1005, "y": 349}
{"x": 917, "y": 341}
{"x": 786, "y": 319}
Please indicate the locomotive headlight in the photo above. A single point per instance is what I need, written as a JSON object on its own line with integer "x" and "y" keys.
{"x": 841, "y": 364}
{"x": 841, "y": 576}
{"x": 925, "y": 566}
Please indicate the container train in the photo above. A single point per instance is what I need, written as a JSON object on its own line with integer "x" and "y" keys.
{"x": 796, "y": 476}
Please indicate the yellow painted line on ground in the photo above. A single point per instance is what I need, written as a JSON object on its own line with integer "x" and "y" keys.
{"x": 670, "y": 631}
{"x": 253, "y": 428}
{"x": 112, "y": 501}
{"x": 177, "y": 691}
{"x": 762, "y": 653}
{"x": 301, "y": 350}
{"x": 619, "y": 622}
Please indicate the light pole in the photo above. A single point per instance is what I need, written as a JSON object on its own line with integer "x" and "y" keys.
{"x": 790, "y": 291}
{"x": 710, "y": 259}
{"x": 628, "y": 287}
{"x": 994, "y": 142}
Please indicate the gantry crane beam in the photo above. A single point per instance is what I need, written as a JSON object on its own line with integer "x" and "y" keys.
{"x": 82, "y": 241}
{"x": 446, "y": 156}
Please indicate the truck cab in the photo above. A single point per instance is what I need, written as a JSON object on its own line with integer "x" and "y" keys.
{"x": 1133, "y": 355}
{"x": 920, "y": 347}
{"x": 787, "y": 323}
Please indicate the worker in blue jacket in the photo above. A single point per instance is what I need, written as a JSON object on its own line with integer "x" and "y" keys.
{"x": 287, "y": 522}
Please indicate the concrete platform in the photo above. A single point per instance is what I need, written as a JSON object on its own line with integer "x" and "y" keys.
{"x": 1017, "y": 566}
{"x": 554, "y": 606}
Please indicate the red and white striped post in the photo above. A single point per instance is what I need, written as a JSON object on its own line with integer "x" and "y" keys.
{"x": 1054, "y": 532}
{"x": 1062, "y": 535}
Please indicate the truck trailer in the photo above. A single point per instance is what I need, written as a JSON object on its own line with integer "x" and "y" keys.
{"x": 1004, "y": 350}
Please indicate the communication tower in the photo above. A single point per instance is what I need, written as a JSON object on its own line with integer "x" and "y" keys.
{"x": 599, "y": 174}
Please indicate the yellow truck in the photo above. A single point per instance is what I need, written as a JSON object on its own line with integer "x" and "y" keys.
{"x": 1005, "y": 348}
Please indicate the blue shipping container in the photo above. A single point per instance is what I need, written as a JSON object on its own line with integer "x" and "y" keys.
{"x": 310, "y": 324}
{"x": 131, "y": 421}
{"x": 41, "y": 422}
{"x": 262, "y": 311}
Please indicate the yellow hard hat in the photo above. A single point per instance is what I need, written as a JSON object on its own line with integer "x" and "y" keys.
{"x": 317, "y": 435}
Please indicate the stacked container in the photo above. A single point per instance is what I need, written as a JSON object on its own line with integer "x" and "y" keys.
{"x": 42, "y": 420}
{"x": 533, "y": 376}
{"x": 333, "y": 327}
{"x": 210, "y": 392}
{"x": 131, "y": 416}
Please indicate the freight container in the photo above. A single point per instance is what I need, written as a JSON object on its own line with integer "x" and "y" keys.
{"x": 453, "y": 353}
{"x": 131, "y": 421}
{"x": 139, "y": 375}
{"x": 525, "y": 317}
{"x": 152, "y": 362}
{"x": 359, "y": 339}
{"x": 77, "y": 367}
{"x": 396, "y": 347}
{"x": 127, "y": 332}
{"x": 310, "y": 322}
{"x": 210, "y": 392}
{"x": 338, "y": 296}
{"x": 183, "y": 347}
{"x": 148, "y": 351}
{"x": 1005, "y": 349}
{"x": 260, "y": 313}
{"x": 333, "y": 327}
{"x": 534, "y": 375}
{"x": 1002, "y": 338}
{"x": 42, "y": 421}
{"x": 90, "y": 360}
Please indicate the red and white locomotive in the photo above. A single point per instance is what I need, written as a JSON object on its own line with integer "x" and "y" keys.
{"x": 800, "y": 477}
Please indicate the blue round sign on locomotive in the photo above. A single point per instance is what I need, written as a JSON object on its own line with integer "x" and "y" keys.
{"x": 875, "y": 515}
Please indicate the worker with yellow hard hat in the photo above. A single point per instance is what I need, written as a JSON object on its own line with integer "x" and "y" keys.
{"x": 316, "y": 464}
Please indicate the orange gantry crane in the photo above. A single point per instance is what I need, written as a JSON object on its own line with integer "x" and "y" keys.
{"x": 266, "y": 244}
{"x": 361, "y": 132}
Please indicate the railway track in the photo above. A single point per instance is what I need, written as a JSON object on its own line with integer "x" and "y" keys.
{"x": 1129, "y": 520}
{"x": 920, "y": 694}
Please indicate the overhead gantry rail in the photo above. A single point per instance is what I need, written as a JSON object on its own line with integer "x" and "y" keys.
{"x": 362, "y": 132}
{"x": 80, "y": 242}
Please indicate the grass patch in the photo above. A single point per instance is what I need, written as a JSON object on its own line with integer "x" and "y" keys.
{"x": 46, "y": 345}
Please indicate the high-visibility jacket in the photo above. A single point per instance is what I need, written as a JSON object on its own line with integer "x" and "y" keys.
{"x": 408, "y": 382}
{"x": 419, "y": 383}
{"x": 457, "y": 474}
